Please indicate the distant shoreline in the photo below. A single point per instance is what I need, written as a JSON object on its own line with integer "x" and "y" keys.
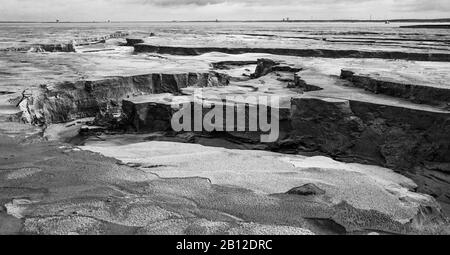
{"x": 445, "y": 20}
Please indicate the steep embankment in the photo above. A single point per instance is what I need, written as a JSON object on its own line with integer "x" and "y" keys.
{"x": 358, "y": 125}
{"x": 66, "y": 101}
{"x": 336, "y": 119}
{"x": 402, "y": 139}
{"x": 415, "y": 93}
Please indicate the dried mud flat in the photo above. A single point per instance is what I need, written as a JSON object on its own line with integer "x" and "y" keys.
{"x": 86, "y": 145}
{"x": 49, "y": 188}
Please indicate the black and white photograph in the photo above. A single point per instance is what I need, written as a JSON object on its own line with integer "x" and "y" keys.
{"x": 227, "y": 118}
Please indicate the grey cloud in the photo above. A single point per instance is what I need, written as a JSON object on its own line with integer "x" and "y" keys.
{"x": 399, "y": 5}
{"x": 245, "y": 2}
{"x": 422, "y": 5}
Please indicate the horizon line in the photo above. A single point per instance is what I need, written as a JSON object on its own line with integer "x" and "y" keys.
{"x": 218, "y": 20}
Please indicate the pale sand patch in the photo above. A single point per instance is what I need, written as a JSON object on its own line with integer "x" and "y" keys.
{"x": 22, "y": 173}
{"x": 17, "y": 207}
{"x": 363, "y": 186}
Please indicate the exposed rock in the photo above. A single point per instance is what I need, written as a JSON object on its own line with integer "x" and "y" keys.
{"x": 67, "y": 101}
{"x": 150, "y": 113}
{"x": 91, "y": 130}
{"x": 231, "y": 64}
{"x": 118, "y": 34}
{"x": 386, "y": 134}
{"x": 55, "y": 48}
{"x": 90, "y": 42}
{"x": 347, "y": 74}
{"x": 306, "y": 190}
{"x": 133, "y": 41}
{"x": 264, "y": 66}
{"x": 287, "y": 74}
{"x": 300, "y": 83}
{"x": 283, "y": 68}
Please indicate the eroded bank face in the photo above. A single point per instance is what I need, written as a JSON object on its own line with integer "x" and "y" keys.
{"x": 258, "y": 114}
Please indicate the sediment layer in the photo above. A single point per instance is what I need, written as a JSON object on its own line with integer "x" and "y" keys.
{"x": 415, "y": 93}
{"x": 395, "y": 137}
{"x": 67, "y": 101}
{"x": 152, "y": 113}
{"x": 322, "y": 53}
{"x": 434, "y": 26}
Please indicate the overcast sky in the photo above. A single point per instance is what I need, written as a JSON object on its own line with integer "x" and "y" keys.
{"x": 154, "y": 10}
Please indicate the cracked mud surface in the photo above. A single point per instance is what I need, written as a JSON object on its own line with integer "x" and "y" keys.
{"x": 71, "y": 191}
{"x": 360, "y": 153}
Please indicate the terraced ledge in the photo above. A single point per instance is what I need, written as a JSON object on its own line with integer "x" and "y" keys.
{"x": 151, "y": 113}
{"x": 393, "y": 136}
{"x": 396, "y": 137}
{"x": 337, "y": 120}
{"x": 322, "y": 53}
{"x": 415, "y": 93}
{"x": 63, "y": 102}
